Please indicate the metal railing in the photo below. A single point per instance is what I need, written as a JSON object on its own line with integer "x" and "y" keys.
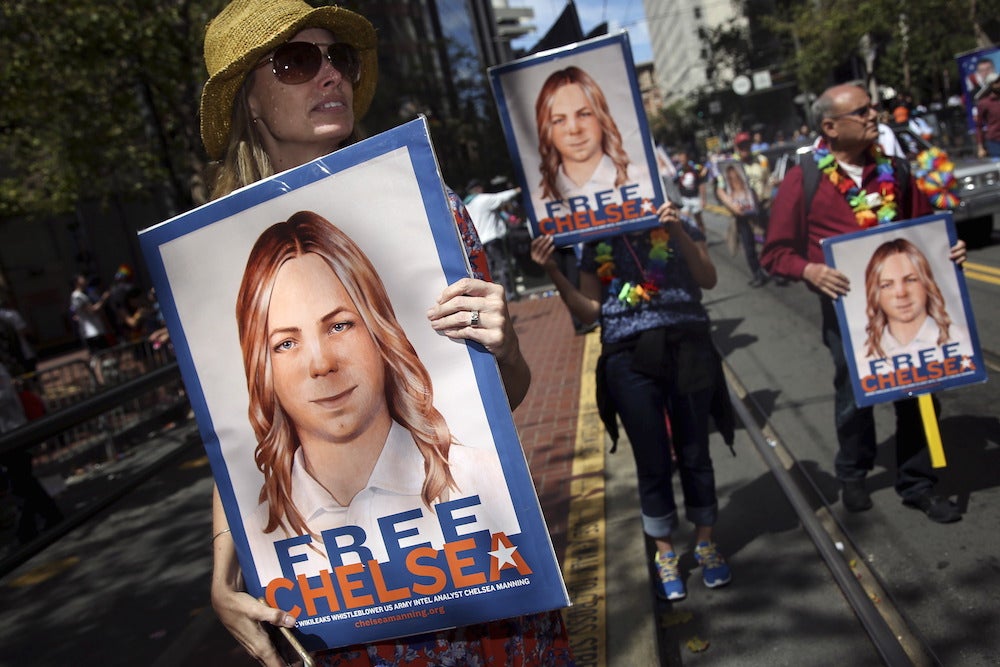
{"x": 96, "y": 412}
{"x": 76, "y": 381}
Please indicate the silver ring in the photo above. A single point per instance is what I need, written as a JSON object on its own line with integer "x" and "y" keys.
{"x": 474, "y": 320}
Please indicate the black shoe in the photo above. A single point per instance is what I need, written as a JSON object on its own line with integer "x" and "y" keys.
{"x": 935, "y": 507}
{"x": 585, "y": 329}
{"x": 758, "y": 281}
{"x": 855, "y": 496}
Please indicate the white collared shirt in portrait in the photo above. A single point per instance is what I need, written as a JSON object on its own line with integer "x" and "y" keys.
{"x": 925, "y": 342}
{"x": 602, "y": 180}
{"x": 394, "y": 486}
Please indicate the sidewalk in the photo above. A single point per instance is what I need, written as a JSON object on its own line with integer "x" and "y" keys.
{"x": 133, "y": 588}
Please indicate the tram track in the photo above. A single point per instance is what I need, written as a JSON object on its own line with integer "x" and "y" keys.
{"x": 897, "y": 643}
{"x": 897, "y": 628}
{"x": 910, "y": 586}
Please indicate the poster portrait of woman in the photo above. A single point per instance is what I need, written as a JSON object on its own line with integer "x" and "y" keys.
{"x": 735, "y": 190}
{"x": 906, "y": 319}
{"x": 342, "y": 407}
{"x": 576, "y": 128}
{"x": 579, "y": 144}
{"x": 907, "y": 314}
{"x": 357, "y": 447}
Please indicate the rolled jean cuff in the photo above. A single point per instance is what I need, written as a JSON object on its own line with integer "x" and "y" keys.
{"x": 659, "y": 527}
{"x": 702, "y": 516}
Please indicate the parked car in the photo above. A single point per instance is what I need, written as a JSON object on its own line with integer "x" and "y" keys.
{"x": 978, "y": 183}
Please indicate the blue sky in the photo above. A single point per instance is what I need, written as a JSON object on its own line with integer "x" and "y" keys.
{"x": 620, "y": 14}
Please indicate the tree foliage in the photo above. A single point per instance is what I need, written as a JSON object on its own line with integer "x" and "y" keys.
{"x": 100, "y": 100}
{"x": 914, "y": 40}
{"x": 675, "y": 124}
{"x": 729, "y": 49}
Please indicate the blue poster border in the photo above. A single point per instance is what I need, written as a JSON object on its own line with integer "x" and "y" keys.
{"x": 567, "y": 53}
{"x": 921, "y": 384}
{"x": 546, "y": 590}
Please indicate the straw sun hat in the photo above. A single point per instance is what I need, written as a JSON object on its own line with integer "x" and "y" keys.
{"x": 247, "y": 30}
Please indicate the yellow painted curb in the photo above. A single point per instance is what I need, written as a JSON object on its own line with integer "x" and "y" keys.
{"x": 583, "y": 568}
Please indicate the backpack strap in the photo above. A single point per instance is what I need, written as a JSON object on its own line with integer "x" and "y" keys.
{"x": 810, "y": 182}
{"x": 901, "y": 170}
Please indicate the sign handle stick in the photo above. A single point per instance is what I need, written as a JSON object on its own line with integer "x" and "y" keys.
{"x": 931, "y": 430}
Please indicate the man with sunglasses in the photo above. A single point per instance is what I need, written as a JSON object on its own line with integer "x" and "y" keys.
{"x": 808, "y": 208}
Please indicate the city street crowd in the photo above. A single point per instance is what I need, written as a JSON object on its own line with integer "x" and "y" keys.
{"x": 288, "y": 83}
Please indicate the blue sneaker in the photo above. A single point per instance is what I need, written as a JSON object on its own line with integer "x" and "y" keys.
{"x": 714, "y": 570}
{"x": 671, "y": 587}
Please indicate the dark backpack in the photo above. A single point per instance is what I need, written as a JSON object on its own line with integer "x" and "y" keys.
{"x": 811, "y": 176}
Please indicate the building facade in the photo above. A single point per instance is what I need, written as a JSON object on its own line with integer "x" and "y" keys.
{"x": 676, "y": 31}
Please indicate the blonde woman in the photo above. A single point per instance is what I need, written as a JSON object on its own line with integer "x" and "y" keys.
{"x": 287, "y": 84}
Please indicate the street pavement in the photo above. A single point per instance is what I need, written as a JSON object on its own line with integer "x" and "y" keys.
{"x": 131, "y": 588}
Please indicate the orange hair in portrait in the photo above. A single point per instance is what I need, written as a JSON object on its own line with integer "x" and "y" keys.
{"x": 408, "y": 391}
{"x": 877, "y": 319}
{"x": 612, "y": 138}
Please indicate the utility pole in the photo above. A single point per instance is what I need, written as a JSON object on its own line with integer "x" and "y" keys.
{"x": 904, "y": 33}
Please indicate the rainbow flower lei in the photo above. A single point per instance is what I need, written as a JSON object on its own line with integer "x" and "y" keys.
{"x": 936, "y": 178}
{"x": 653, "y": 275}
{"x": 858, "y": 199}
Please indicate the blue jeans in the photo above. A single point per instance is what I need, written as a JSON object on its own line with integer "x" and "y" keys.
{"x": 856, "y": 426}
{"x": 642, "y": 403}
{"x": 992, "y": 148}
{"x": 496, "y": 259}
{"x": 744, "y": 227}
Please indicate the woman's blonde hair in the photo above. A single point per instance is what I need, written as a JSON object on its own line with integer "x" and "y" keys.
{"x": 408, "y": 390}
{"x": 611, "y": 141}
{"x": 877, "y": 319}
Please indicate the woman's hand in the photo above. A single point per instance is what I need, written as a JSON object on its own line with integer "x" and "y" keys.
{"x": 542, "y": 249}
{"x": 958, "y": 252}
{"x": 242, "y": 615}
{"x": 453, "y": 315}
{"x": 239, "y": 612}
{"x": 476, "y": 310}
{"x": 670, "y": 217}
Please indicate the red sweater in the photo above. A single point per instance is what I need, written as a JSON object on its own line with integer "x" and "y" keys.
{"x": 988, "y": 119}
{"x": 793, "y": 242}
